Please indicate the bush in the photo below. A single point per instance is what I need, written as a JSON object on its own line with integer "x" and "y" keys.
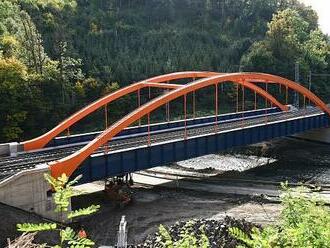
{"x": 304, "y": 222}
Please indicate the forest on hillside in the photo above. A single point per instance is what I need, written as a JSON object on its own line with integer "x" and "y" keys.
{"x": 58, "y": 55}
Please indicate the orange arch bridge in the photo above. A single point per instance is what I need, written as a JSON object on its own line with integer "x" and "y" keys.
{"x": 69, "y": 164}
{"x": 155, "y": 82}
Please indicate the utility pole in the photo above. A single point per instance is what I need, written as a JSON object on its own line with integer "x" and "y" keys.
{"x": 296, "y": 78}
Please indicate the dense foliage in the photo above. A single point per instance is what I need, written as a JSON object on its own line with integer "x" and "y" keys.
{"x": 304, "y": 222}
{"x": 292, "y": 38}
{"x": 58, "y": 55}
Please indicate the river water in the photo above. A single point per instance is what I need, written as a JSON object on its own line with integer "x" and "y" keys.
{"x": 284, "y": 159}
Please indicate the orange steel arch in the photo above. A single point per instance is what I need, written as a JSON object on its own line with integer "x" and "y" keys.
{"x": 41, "y": 141}
{"x": 69, "y": 164}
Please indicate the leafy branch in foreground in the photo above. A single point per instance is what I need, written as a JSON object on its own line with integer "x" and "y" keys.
{"x": 304, "y": 222}
{"x": 84, "y": 211}
{"x": 30, "y": 227}
{"x": 63, "y": 192}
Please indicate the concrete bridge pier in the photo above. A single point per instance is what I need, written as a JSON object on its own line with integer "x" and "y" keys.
{"x": 28, "y": 190}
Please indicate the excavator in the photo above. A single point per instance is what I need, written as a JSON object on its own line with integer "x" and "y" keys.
{"x": 117, "y": 189}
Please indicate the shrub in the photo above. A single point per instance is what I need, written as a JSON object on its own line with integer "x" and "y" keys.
{"x": 304, "y": 222}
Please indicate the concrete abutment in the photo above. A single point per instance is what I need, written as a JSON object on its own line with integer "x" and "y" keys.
{"x": 29, "y": 191}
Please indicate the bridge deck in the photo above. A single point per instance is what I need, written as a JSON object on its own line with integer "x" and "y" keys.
{"x": 28, "y": 160}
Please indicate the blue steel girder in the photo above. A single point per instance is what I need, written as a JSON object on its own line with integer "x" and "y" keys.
{"x": 101, "y": 166}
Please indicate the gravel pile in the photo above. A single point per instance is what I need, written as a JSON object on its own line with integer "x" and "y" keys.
{"x": 216, "y": 231}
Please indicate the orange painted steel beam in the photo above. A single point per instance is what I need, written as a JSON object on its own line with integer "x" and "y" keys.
{"x": 268, "y": 78}
{"x": 69, "y": 164}
{"x": 41, "y": 141}
{"x": 162, "y": 85}
{"x": 261, "y": 81}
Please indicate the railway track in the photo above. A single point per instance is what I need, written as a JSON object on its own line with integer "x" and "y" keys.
{"x": 29, "y": 160}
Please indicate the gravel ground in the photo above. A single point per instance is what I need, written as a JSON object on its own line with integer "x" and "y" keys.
{"x": 11, "y": 216}
{"x": 152, "y": 207}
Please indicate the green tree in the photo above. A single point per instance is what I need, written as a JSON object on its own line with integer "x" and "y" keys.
{"x": 62, "y": 42}
{"x": 9, "y": 46}
{"x": 70, "y": 73}
{"x": 289, "y": 39}
{"x": 13, "y": 92}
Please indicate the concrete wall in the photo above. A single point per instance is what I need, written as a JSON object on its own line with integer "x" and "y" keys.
{"x": 318, "y": 135}
{"x": 4, "y": 149}
{"x": 27, "y": 190}
{"x": 10, "y": 149}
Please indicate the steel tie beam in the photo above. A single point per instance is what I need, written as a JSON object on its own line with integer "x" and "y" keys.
{"x": 255, "y": 100}
{"x": 237, "y": 91}
{"x": 139, "y": 102}
{"x": 168, "y": 110}
{"x": 194, "y": 104}
{"x": 149, "y": 141}
{"x": 216, "y": 108}
{"x": 286, "y": 95}
{"x": 185, "y": 115}
{"x": 106, "y": 115}
{"x": 243, "y": 99}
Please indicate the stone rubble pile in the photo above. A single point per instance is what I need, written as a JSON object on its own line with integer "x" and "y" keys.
{"x": 216, "y": 231}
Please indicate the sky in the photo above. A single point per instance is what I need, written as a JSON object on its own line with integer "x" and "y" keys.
{"x": 322, "y": 7}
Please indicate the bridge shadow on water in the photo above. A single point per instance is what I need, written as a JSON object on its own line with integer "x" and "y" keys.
{"x": 296, "y": 161}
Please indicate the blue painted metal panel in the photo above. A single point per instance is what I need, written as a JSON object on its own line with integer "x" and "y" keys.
{"x": 201, "y": 146}
{"x": 179, "y": 150}
{"x": 128, "y": 161}
{"x": 168, "y": 154}
{"x": 155, "y": 152}
{"x": 142, "y": 158}
{"x": 114, "y": 164}
{"x": 98, "y": 167}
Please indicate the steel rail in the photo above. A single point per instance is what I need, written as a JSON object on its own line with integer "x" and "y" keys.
{"x": 17, "y": 164}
